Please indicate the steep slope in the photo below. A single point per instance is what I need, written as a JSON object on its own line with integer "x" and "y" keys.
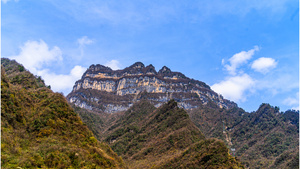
{"x": 266, "y": 133}
{"x": 262, "y": 139}
{"x": 102, "y": 88}
{"x": 18, "y": 75}
{"x": 39, "y": 129}
{"x": 149, "y": 137}
{"x": 209, "y": 153}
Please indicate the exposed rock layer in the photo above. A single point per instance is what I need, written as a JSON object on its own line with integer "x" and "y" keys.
{"x": 100, "y": 87}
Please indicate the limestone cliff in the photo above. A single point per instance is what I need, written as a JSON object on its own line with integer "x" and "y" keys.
{"x": 116, "y": 90}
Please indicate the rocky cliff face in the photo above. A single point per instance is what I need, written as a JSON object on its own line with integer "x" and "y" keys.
{"x": 103, "y": 88}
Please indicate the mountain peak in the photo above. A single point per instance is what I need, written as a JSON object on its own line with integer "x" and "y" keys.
{"x": 164, "y": 69}
{"x": 137, "y": 65}
{"x": 99, "y": 67}
{"x": 150, "y": 69}
{"x": 150, "y": 66}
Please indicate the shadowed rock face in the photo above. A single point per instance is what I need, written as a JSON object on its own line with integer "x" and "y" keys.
{"x": 116, "y": 90}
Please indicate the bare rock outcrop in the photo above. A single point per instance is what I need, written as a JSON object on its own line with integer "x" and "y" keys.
{"x": 116, "y": 90}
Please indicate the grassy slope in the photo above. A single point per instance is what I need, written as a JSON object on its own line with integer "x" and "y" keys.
{"x": 40, "y": 130}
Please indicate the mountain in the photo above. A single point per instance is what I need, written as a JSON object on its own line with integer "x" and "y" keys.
{"x": 164, "y": 137}
{"x": 265, "y": 138}
{"x": 104, "y": 89}
{"x": 151, "y": 119}
{"x": 39, "y": 129}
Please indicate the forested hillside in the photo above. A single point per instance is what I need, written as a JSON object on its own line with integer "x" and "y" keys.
{"x": 265, "y": 138}
{"x": 149, "y": 137}
{"x": 39, "y": 129}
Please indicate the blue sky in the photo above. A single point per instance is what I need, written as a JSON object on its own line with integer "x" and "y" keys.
{"x": 246, "y": 50}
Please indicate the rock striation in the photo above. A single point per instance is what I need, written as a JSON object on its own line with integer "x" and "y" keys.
{"x": 102, "y": 88}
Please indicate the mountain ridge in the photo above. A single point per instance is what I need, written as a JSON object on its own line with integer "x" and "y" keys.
{"x": 129, "y": 84}
{"x": 149, "y": 137}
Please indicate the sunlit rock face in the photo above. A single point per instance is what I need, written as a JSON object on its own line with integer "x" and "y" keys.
{"x": 102, "y": 88}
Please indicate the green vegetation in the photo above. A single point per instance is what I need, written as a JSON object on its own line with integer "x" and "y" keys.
{"x": 39, "y": 129}
{"x": 17, "y": 74}
{"x": 262, "y": 139}
{"x": 209, "y": 153}
{"x": 149, "y": 137}
{"x": 93, "y": 120}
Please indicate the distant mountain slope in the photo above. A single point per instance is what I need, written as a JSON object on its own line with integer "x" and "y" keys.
{"x": 149, "y": 137}
{"x": 102, "y": 88}
{"x": 39, "y": 129}
{"x": 262, "y": 139}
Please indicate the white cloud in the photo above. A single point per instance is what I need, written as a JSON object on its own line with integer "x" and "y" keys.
{"x": 234, "y": 88}
{"x": 113, "y": 64}
{"x": 238, "y": 83}
{"x": 238, "y": 59}
{"x": 290, "y": 101}
{"x": 62, "y": 82}
{"x": 77, "y": 72}
{"x": 82, "y": 42}
{"x": 35, "y": 54}
{"x": 264, "y": 65}
{"x": 293, "y": 102}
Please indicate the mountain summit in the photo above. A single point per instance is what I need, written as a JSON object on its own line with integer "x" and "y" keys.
{"x": 102, "y": 88}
